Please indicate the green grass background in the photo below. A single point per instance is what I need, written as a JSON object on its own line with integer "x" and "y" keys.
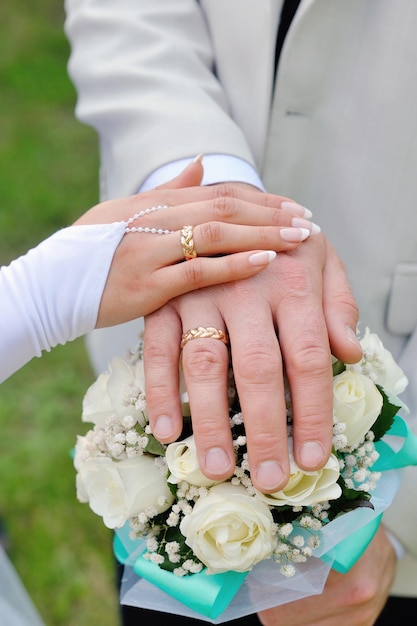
{"x": 48, "y": 176}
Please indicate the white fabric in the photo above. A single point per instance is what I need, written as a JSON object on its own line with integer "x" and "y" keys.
{"x": 52, "y": 294}
{"x": 215, "y": 165}
{"x": 340, "y": 138}
{"x": 16, "y": 608}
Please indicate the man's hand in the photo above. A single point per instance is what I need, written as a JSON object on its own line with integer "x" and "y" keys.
{"x": 294, "y": 313}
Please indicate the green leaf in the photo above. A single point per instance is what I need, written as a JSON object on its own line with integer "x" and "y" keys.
{"x": 154, "y": 446}
{"x": 386, "y": 417}
{"x": 338, "y": 367}
{"x": 348, "y": 501}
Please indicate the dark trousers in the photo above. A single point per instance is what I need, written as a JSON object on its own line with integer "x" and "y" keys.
{"x": 138, "y": 617}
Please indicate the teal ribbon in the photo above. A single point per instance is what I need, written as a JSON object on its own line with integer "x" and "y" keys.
{"x": 211, "y": 594}
{"x": 347, "y": 552}
{"x": 406, "y": 455}
{"x": 343, "y": 556}
{"x": 207, "y": 594}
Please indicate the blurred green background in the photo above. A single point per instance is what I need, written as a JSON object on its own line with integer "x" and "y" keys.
{"x": 48, "y": 176}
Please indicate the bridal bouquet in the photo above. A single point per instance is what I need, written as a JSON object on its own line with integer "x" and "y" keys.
{"x": 187, "y": 525}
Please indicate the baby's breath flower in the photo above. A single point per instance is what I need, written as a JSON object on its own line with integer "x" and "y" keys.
{"x": 132, "y": 437}
{"x": 195, "y": 568}
{"x": 360, "y": 475}
{"x": 350, "y": 460}
{"x": 171, "y": 547}
{"x": 281, "y": 548}
{"x": 188, "y": 564}
{"x": 156, "y": 558}
{"x": 313, "y": 541}
{"x": 340, "y": 442}
{"x": 285, "y": 530}
{"x": 298, "y": 541}
{"x": 151, "y": 544}
{"x": 128, "y": 422}
{"x": 180, "y": 571}
{"x": 173, "y": 519}
{"x": 288, "y": 570}
{"x": 174, "y": 558}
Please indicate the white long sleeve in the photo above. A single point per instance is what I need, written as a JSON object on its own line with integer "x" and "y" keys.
{"x": 52, "y": 294}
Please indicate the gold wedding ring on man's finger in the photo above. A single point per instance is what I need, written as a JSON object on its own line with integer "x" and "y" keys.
{"x": 187, "y": 243}
{"x": 203, "y": 332}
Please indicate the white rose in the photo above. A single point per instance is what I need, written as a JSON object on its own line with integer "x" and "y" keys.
{"x": 114, "y": 394}
{"x": 229, "y": 530}
{"x": 305, "y": 488}
{"x": 380, "y": 365}
{"x": 119, "y": 490}
{"x": 356, "y": 402}
{"x": 181, "y": 457}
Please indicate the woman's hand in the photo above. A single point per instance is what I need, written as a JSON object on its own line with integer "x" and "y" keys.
{"x": 149, "y": 269}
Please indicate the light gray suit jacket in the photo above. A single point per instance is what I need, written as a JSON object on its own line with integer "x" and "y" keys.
{"x": 163, "y": 80}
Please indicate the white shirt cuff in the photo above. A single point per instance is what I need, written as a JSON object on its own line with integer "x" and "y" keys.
{"x": 218, "y": 168}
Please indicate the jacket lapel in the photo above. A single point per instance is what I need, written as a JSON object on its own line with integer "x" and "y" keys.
{"x": 244, "y": 34}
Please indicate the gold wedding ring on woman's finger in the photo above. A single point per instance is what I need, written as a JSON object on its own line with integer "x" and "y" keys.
{"x": 202, "y": 332}
{"x": 187, "y": 243}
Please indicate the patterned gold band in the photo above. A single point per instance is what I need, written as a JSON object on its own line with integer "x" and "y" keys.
{"x": 201, "y": 332}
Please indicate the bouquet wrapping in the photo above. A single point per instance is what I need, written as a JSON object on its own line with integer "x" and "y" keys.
{"x": 217, "y": 551}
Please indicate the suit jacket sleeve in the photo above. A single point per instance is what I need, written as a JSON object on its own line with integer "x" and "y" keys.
{"x": 146, "y": 81}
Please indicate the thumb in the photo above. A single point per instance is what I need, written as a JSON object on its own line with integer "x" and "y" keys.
{"x": 191, "y": 176}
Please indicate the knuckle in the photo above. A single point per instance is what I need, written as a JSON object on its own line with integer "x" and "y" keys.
{"x": 194, "y": 273}
{"x": 225, "y": 207}
{"x": 211, "y": 233}
{"x": 259, "y": 366}
{"x": 363, "y": 594}
{"x": 271, "y": 200}
{"x": 203, "y": 362}
{"x": 155, "y": 396}
{"x": 226, "y": 190}
{"x": 309, "y": 357}
{"x": 155, "y": 353}
{"x": 344, "y": 298}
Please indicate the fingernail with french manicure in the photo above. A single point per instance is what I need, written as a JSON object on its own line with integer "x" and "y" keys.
{"x": 262, "y": 258}
{"x": 294, "y": 235}
{"x": 163, "y": 428}
{"x": 269, "y": 475}
{"x": 294, "y": 207}
{"x": 311, "y": 454}
{"x": 299, "y": 222}
{"x": 217, "y": 461}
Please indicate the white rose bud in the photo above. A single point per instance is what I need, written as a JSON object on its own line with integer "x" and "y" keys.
{"x": 119, "y": 490}
{"x": 229, "y": 530}
{"x": 356, "y": 402}
{"x": 305, "y": 488}
{"x": 109, "y": 395}
{"x": 181, "y": 457}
